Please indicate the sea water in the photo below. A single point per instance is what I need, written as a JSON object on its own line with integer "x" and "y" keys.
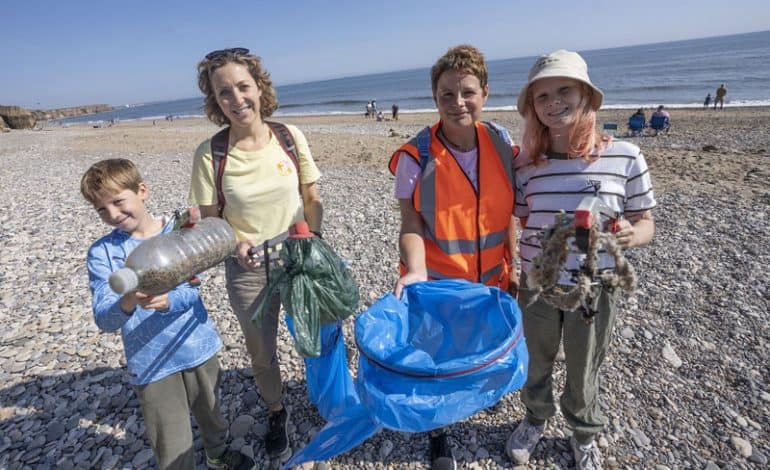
{"x": 675, "y": 74}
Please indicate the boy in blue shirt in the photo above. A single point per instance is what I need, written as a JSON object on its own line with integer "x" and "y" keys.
{"x": 170, "y": 342}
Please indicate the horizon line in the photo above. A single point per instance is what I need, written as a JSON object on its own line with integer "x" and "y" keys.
{"x": 372, "y": 74}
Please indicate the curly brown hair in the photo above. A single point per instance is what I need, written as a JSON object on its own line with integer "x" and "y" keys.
{"x": 268, "y": 103}
{"x": 463, "y": 57}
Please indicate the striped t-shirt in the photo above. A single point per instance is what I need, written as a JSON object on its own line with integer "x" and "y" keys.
{"x": 560, "y": 184}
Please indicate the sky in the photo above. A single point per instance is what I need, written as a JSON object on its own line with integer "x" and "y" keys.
{"x": 76, "y": 52}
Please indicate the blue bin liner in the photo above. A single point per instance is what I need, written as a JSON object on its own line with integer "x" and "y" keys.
{"x": 445, "y": 351}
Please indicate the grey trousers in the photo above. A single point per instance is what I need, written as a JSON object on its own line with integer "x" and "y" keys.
{"x": 245, "y": 290}
{"x": 166, "y": 406}
{"x": 585, "y": 346}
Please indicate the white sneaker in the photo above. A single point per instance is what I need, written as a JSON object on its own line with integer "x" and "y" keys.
{"x": 587, "y": 456}
{"x": 523, "y": 441}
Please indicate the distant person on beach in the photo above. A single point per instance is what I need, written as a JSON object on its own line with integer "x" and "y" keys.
{"x": 563, "y": 154}
{"x": 641, "y": 114}
{"x": 660, "y": 120}
{"x": 369, "y": 112}
{"x": 394, "y": 112}
{"x": 637, "y": 122}
{"x": 720, "y": 96}
{"x": 380, "y": 116}
{"x": 707, "y": 101}
{"x": 462, "y": 153}
{"x": 169, "y": 340}
{"x": 261, "y": 190}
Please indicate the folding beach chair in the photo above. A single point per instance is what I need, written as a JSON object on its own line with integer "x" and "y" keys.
{"x": 660, "y": 123}
{"x": 636, "y": 124}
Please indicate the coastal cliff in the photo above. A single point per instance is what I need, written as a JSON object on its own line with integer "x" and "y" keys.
{"x": 17, "y": 117}
{"x": 61, "y": 113}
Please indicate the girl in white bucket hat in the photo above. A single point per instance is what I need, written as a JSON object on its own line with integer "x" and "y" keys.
{"x": 564, "y": 159}
{"x": 563, "y": 74}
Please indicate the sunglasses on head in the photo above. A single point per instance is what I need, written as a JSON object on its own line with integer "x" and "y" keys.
{"x": 221, "y": 52}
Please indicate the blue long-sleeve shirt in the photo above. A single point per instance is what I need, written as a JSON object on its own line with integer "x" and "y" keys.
{"x": 157, "y": 343}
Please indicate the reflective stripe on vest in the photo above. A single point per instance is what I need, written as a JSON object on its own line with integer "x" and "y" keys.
{"x": 490, "y": 275}
{"x": 452, "y": 247}
{"x": 485, "y": 277}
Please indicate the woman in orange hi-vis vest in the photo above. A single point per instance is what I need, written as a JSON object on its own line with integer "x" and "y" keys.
{"x": 454, "y": 183}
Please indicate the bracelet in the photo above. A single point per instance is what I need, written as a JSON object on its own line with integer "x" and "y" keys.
{"x": 317, "y": 233}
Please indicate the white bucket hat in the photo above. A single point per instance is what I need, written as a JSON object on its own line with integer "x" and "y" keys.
{"x": 559, "y": 63}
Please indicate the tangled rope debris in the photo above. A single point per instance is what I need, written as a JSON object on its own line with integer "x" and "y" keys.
{"x": 543, "y": 276}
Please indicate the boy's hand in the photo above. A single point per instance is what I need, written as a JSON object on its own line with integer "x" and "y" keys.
{"x": 152, "y": 302}
{"x": 128, "y": 303}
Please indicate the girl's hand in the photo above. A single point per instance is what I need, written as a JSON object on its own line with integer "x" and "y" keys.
{"x": 406, "y": 279}
{"x": 626, "y": 234}
{"x": 244, "y": 259}
{"x": 636, "y": 229}
{"x": 152, "y": 302}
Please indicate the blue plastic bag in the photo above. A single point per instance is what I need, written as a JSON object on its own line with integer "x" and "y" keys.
{"x": 455, "y": 350}
{"x": 329, "y": 384}
{"x": 448, "y": 350}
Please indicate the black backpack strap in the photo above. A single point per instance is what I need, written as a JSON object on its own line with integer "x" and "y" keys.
{"x": 220, "y": 143}
{"x": 287, "y": 143}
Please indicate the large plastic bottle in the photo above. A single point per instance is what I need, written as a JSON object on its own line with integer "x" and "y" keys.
{"x": 165, "y": 261}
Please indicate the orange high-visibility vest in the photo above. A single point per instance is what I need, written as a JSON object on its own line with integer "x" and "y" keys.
{"x": 465, "y": 231}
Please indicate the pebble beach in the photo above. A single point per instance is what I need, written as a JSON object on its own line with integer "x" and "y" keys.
{"x": 686, "y": 382}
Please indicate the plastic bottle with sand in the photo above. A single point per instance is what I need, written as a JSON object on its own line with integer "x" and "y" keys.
{"x": 165, "y": 261}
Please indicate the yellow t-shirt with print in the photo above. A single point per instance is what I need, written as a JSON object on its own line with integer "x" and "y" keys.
{"x": 261, "y": 195}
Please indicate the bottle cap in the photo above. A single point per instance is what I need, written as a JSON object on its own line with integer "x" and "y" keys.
{"x": 124, "y": 280}
{"x": 300, "y": 230}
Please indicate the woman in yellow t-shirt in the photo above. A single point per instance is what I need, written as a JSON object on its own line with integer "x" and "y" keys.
{"x": 259, "y": 185}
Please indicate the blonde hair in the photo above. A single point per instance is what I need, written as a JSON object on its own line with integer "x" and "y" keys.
{"x": 583, "y": 137}
{"x": 109, "y": 177}
{"x": 464, "y": 58}
{"x": 268, "y": 102}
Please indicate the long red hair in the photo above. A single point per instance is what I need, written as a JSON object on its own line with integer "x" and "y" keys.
{"x": 584, "y": 140}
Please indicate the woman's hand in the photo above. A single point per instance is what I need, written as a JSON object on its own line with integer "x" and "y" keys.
{"x": 513, "y": 283}
{"x": 406, "y": 279}
{"x": 244, "y": 258}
